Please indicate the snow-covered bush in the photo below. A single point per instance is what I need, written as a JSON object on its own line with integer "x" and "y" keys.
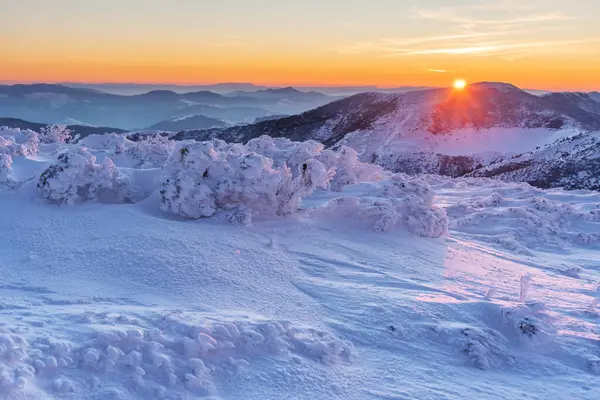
{"x": 111, "y": 142}
{"x": 203, "y": 177}
{"x": 76, "y": 177}
{"x": 343, "y": 163}
{"x": 5, "y": 168}
{"x": 348, "y": 170}
{"x": 150, "y": 152}
{"x": 400, "y": 201}
{"x": 55, "y": 134}
{"x": 18, "y": 142}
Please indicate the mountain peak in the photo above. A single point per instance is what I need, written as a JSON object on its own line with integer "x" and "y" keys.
{"x": 500, "y": 86}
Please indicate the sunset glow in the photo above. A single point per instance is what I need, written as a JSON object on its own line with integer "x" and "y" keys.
{"x": 390, "y": 43}
{"x": 459, "y": 84}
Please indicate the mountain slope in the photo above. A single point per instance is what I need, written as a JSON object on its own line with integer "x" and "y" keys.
{"x": 423, "y": 119}
{"x": 572, "y": 163}
{"x": 82, "y": 130}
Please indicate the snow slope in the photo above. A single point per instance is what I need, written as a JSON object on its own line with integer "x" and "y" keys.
{"x": 123, "y": 301}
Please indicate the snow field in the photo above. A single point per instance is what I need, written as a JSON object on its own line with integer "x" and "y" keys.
{"x": 123, "y": 301}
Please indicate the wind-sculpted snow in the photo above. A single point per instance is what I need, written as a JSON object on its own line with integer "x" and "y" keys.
{"x": 181, "y": 358}
{"x": 76, "y": 178}
{"x": 400, "y": 201}
{"x": 519, "y": 217}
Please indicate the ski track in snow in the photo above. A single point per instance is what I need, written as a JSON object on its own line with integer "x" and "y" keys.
{"x": 126, "y": 302}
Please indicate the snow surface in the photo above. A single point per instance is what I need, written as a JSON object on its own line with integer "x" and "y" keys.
{"x": 123, "y": 301}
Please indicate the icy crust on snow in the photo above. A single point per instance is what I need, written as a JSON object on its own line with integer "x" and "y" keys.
{"x": 519, "y": 217}
{"x": 181, "y": 358}
{"x": 400, "y": 201}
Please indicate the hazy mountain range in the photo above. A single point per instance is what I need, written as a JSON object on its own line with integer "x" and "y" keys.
{"x": 223, "y": 88}
{"x": 57, "y": 103}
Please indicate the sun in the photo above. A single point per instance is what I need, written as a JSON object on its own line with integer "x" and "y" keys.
{"x": 459, "y": 84}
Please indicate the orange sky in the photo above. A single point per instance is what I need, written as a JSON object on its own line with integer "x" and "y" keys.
{"x": 387, "y": 43}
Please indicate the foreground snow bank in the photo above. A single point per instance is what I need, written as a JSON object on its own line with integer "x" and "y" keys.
{"x": 400, "y": 201}
{"x": 181, "y": 358}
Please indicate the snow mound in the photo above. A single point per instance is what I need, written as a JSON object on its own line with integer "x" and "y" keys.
{"x": 76, "y": 178}
{"x": 400, "y": 201}
{"x": 204, "y": 177}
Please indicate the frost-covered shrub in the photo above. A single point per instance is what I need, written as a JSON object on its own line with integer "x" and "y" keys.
{"x": 108, "y": 142}
{"x": 55, "y": 134}
{"x": 400, "y": 201}
{"x": 203, "y": 177}
{"x": 76, "y": 177}
{"x": 5, "y": 168}
{"x": 342, "y": 164}
{"x": 18, "y": 142}
{"x": 348, "y": 170}
{"x": 150, "y": 152}
{"x": 486, "y": 349}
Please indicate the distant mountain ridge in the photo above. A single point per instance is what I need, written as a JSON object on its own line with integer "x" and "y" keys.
{"x": 82, "y": 130}
{"x": 437, "y": 111}
{"x": 56, "y": 103}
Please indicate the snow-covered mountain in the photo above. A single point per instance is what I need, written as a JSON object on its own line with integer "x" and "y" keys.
{"x": 428, "y": 117}
{"x": 595, "y": 96}
{"x": 572, "y": 163}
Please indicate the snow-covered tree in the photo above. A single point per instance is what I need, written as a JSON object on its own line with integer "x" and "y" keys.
{"x": 5, "y": 168}
{"x": 204, "y": 177}
{"x": 150, "y": 152}
{"x": 76, "y": 177}
{"x": 18, "y": 142}
{"x": 55, "y": 134}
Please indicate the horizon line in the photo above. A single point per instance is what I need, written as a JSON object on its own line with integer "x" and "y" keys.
{"x": 319, "y": 85}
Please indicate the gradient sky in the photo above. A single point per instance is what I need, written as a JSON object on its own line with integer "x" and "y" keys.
{"x": 543, "y": 44}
